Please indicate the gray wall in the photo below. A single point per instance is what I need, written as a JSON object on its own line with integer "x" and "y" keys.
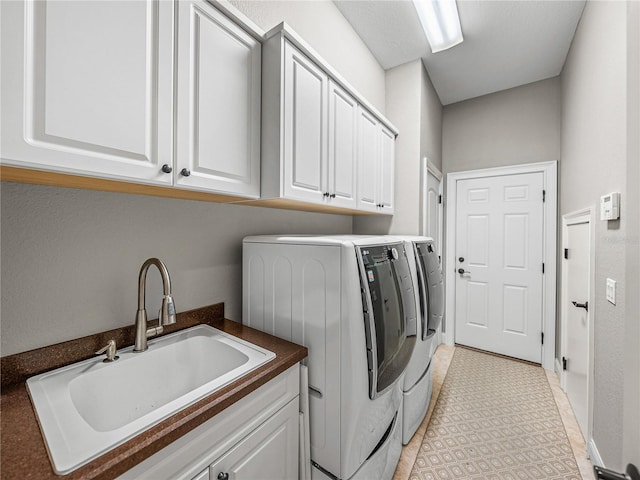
{"x": 415, "y": 109}
{"x": 515, "y": 126}
{"x": 70, "y": 258}
{"x": 430, "y": 121}
{"x": 594, "y": 162}
{"x": 324, "y": 28}
{"x": 631, "y": 413}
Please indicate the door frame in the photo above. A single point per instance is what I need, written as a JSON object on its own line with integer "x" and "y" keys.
{"x": 428, "y": 167}
{"x": 585, "y": 215}
{"x": 549, "y": 251}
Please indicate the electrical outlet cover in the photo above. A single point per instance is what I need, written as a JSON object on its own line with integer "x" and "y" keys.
{"x": 611, "y": 291}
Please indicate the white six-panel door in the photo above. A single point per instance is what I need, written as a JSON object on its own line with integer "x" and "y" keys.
{"x": 499, "y": 249}
{"x": 432, "y": 218}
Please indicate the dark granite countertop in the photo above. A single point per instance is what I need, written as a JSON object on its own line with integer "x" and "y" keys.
{"x": 23, "y": 453}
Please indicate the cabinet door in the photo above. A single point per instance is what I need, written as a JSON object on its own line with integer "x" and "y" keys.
{"x": 368, "y": 161}
{"x": 386, "y": 171}
{"x": 218, "y": 116}
{"x": 204, "y": 475}
{"x": 269, "y": 453}
{"x": 86, "y": 87}
{"x": 305, "y": 131}
{"x": 343, "y": 128}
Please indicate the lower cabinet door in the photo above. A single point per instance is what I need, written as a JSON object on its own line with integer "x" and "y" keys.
{"x": 269, "y": 452}
{"x": 204, "y": 475}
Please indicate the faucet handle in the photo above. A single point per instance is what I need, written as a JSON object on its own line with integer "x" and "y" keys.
{"x": 111, "y": 351}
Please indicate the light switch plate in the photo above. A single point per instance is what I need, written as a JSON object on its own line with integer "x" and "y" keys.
{"x": 611, "y": 291}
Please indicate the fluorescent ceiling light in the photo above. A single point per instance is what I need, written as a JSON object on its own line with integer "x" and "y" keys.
{"x": 440, "y": 22}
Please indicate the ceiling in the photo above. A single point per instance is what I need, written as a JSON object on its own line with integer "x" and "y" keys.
{"x": 506, "y": 43}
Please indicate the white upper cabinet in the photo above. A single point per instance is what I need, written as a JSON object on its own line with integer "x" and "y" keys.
{"x": 315, "y": 149}
{"x": 218, "y": 105}
{"x": 387, "y": 169}
{"x": 376, "y": 161}
{"x": 87, "y": 87}
{"x": 343, "y": 136}
{"x": 104, "y": 89}
{"x": 305, "y": 127}
{"x": 368, "y": 161}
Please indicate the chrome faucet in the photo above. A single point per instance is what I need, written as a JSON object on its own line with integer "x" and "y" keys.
{"x": 167, "y": 314}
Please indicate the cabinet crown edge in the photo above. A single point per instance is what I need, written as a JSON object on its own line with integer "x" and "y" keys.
{"x": 284, "y": 30}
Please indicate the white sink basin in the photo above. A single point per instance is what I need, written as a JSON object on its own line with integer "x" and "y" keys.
{"x": 88, "y": 408}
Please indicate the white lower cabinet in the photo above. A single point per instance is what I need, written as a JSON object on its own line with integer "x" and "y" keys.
{"x": 267, "y": 453}
{"x": 257, "y": 437}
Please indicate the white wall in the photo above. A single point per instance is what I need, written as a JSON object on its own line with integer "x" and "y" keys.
{"x": 515, "y": 126}
{"x": 415, "y": 109}
{"x": 594, "y": 162}
{"x": 324, "y": 28}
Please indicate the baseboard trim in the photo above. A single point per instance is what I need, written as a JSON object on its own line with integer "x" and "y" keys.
{"x": 593, "y": 453}
{"x": 558, "y": 372}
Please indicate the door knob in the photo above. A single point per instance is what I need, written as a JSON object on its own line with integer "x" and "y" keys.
{"x": 223, "y": 476}
{"x": 584, "y": 305}
{"x": 166, "y": 168}
{"x": 185, "y": 172}
{"x": 462, "y": 271}
{"x": 461, "y": 259}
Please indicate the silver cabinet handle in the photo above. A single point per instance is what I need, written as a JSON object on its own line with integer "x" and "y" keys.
{"x": 166, "y": 168}
{"x": 185, "y": 172}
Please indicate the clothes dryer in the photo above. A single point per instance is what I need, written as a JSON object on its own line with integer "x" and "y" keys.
{"x": 350, "y": 300}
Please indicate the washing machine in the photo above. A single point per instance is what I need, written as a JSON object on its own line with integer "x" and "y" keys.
{"x": 426, "y": 274}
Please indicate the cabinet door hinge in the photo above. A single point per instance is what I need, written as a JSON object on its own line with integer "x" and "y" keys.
{"x": 543, "y": 267}
{"x": 542, "y": 338}
{"x": 439, "y": 198}
{"x": 544, "y": 196}
{"x": 564, "y": 363}
{"x": 566, "y": 254}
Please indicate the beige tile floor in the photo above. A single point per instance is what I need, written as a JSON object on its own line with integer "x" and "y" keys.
{"x": 441, "y": 360}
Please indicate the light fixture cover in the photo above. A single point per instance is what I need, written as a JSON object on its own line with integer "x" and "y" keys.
{"x": 440, "y": 22}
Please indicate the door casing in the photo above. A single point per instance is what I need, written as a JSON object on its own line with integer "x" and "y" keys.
{"x": 429, "y": 168}
{"x": 550, "y": 185}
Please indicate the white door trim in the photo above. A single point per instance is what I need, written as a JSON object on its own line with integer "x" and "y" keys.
{"x": 550, "y": 185}
{"x": 585, "y": 215}
{"x": 428, "y": 167}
